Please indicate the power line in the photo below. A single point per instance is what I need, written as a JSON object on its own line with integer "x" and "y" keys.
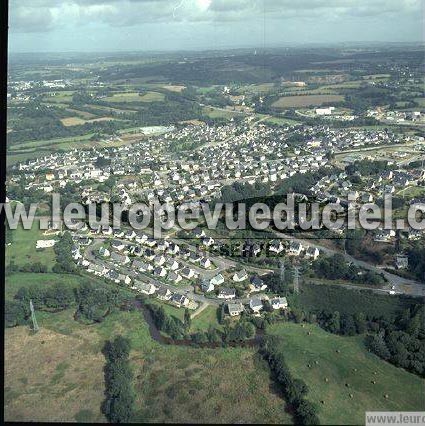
{"x": 296, "y": 279}
{"x": 35, "y": 326}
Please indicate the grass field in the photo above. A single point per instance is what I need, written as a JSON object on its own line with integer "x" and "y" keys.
{"x": 135, "y": 97}
{"x": 23, "y": 279}
{"x": 281, "y": 121}
{"x": 57, "y": 375}
{"x": 354, "y": 366}
{"x": 218, "y": 113}
{"x": 174, "y": 88}
{"x": 77, "y": 121}
{"x": 63, "y": 97}
{"x": 169, "y": 309}
{"x": 23, "y": 249}
{"x": 205, "y": 319}
{"x": 306, "y": 100}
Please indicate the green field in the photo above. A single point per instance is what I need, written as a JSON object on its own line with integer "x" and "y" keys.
{"x": 205, "y": 319}
{"x": 306, "y": 100}
{"x": 62, "y": 364}
{"x": 281, "y": 121}
{"x": 22, "y": 250}
{"x": 169, "y": 309}
{"x": 219, "y": 113}
{"x": 353, "y": 366}
{"x": 26, "y": 279}
{"x": 135, "y": 97}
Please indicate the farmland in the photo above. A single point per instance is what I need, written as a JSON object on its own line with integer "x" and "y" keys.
{"x": 172, "y": 383}
{"x": 306, "y": 100}
{"x": 23, "y": 248}
{"x": 135, "y": 97}
{"x": 349, "y": 371}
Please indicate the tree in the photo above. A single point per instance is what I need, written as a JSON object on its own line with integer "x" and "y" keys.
{"x": 221, "y": 314}
{"x": 119, "y": 403}
{"x": 360, "y": 322}
{"x": 16, "y": 313}
{"x": 187, "y": 319}
{"x": 378, "y": 346}
{"x": 307, "y": 413}
{"x": 334, "y": 325}
{"x": 348, "y": 326}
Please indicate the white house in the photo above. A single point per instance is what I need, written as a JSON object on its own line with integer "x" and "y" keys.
{"x": 217, "y": 280}
{"x": 235, "y": 309}
{"x": 279, "y": 303}
{"x": 145, "y": 288}
{"x": 240, "y": 276}
{"x": 312, "y": 253}
{"x": 227, "y": 293}
{"x": 256, "y": 305}
{"x": 295, "y": 248}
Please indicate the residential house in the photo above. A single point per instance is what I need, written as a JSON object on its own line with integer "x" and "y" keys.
{"x": 401, "y": 261}
{"x": 276, "y": 246}
{"x": 187, "y": 273}
{"x": 159, "y": 271}
{"x": 256, "y": 305}
{"x": 118, "y": 245}
{"x": 206, "y": 286}
{"x": 174, "y": 277}
{"x": 226, "y": 293}
{"x": 140, "y": 266}
{"x": 217, "y": 280}
{"x": 235, "y": 309}
{"x": 119, "y": 259}
{"x": 257, "y": 284}
{"x": 179, "y": 300}
{"x": 163, "y": 293}
{"x": 312, "y": 253}
{"x": 279, "y": 303}
{"x": 145, "y": 288}
{"x": 103, "y": 251}
{"x": 240, "y": 276}
{"x": 205, "y": 262}
{"x": 295, "y": 248}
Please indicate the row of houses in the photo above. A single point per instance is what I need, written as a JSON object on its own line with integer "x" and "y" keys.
{"x": 256, "y": 305}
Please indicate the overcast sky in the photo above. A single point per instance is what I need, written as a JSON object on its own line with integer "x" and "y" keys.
{"x": 114, "y": 25}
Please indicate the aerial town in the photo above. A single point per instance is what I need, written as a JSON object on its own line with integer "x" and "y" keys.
{"x": 109, "y": 322}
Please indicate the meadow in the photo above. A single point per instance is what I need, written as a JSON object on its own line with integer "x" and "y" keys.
{"x": 23, "y": 251}
{"x": 135, "y": 97}
{"x": 333, "y": 367}
{"x": 306, "y": 100}
{"x": 172, "y": 383}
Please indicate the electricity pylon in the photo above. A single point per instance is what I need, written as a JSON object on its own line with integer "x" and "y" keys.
{"x": 33, "y": 318}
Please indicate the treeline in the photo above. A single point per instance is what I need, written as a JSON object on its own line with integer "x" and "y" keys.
{"x": 336, "y": 268}
{"x": 179, "y": 330}
{"x": 35, "y": 267}
{"x": 294, "y": 390}
{"x": 57, "y": 297}
{"x": 347, "y": 312}
{"x": 402, "y": 342}
{"x": 367, "y": 167}
{"x": 63, "y": 251}
{"x": 118, "y": 406}
{"x": 260, "y": 192}
{"x": 417, "y": 262}
{"x": 37, "y": 122}
{"x": 317, "y": 298}
{"x": 93, "y": 301}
